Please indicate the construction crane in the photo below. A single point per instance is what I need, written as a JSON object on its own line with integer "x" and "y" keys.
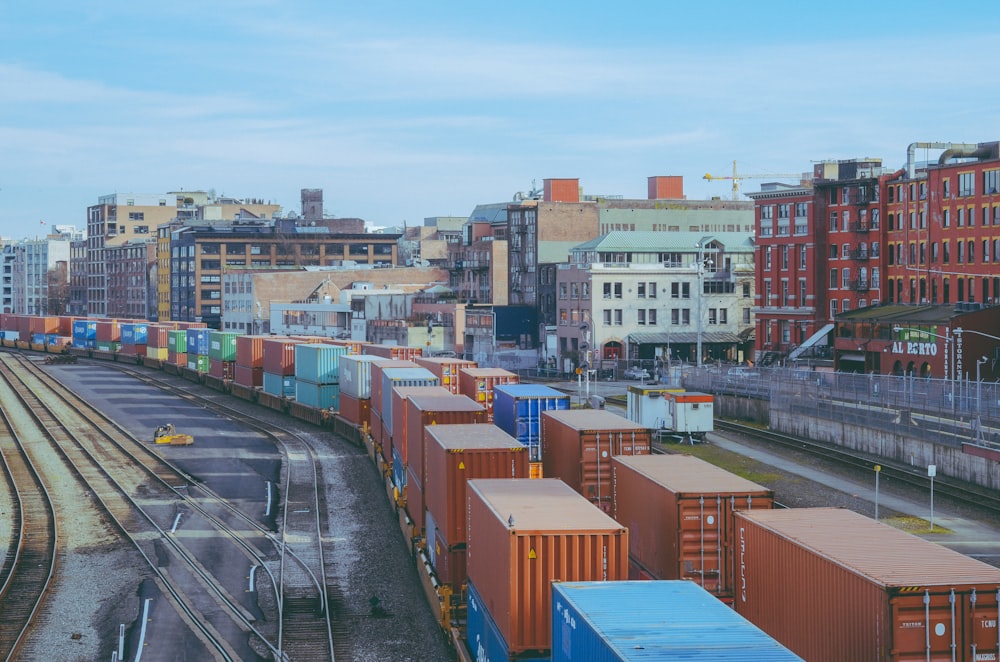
{"x": 737, "y": 178}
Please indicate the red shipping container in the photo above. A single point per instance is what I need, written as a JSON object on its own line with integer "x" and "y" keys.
{"x": 425, "y": 411}
{"x": 525, "y": 534}
{"x": 445, "y": 369}
{"x": 454, "y": 454}
{"x": 24, "y": 327}
{"x": 833, "y": 585}
{"x": 478, "y": 383}
{"x": 449, "y": 562}
{"x": 355, "y": 410}
{"x": 44, "y": 325}
{"x": 355, "y": 346}
{"x": 224, "y": 369}
{"x": 376, "y": 377}
{"x": 249, "y": 377}
{"x": 250, "y": 351}
{"x": 108, "y": 330}
{"x": 278, "y": 356}
{"x": 398, "y": 415}
{"x": 65, "y": 325}
{"x": 157, "y": 335}
{"x": 177, "y": 358}
{"x": 394, "y": 352}
{"x": 679, "y": 513}
{"x": 577, "y": 446}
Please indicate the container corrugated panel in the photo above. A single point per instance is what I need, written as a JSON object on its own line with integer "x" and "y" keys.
{"x": 157, "y": 335}
{"x": 397, "y": 412}
{"x": 107, "y": 345}
{"x": 478, "y": 383}
{"x": 484, "y": 639}
{"x": 250, "y": 351}
{"x": 394, "y": 352}
{"x": 134, "y": 333}
{"x": 159, "y": 353}
{"x": 251, "y": 377}
{"x": 43, "y": 325}
{"x": 398, "y": 471}
{"x": 197, "y": 341}
{"x": 318, "y": 396}
{"x": 108, "y": 331}
{"x": 65, "y": 325}
{"x": 177, "y": 341}
{"x": 454, "y": 454}
{"x": 376, "y": 369}
{"x": 177, "y": 358}
{"x": 356, "y": 375}
{"x": 355, "y": 410}
{"x": 680, "y": 512}
{"x": 278, "y": 356}
{"x": 399, "y": 377}
{"x": 280, "y": 385}
{"x": 423, "y": 412}
{"x": 221, "y": 369}
{"x": 222, "y": 345}
{"x": 84, "y": 330}
{"x": 448, "y": 560}
{"x": 199, "y": 362}
{"x": 445, "y": 368}
{"x": 524, "y": 534}
{"x": 659, "y": 620}
{"x": 517, "y": 410}
{"x": 831, "y": 584}
{"x": 578, "y": 444}
{"x": 24, "y": 326}
{"x": 319, "y": 363}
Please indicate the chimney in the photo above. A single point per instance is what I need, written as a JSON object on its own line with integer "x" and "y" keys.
{"x": 561, "y": 190}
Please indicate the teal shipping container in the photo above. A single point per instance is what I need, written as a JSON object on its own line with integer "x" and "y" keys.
{"x": 280, "y": 385}
{"x": 320, "y": 396}
{"x": 222, "y": 345}
{"x": 319, "y": 363}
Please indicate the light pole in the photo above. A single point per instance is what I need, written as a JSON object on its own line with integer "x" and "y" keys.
{"x": 701, "y": 295}
{"x": 979, "y": 382}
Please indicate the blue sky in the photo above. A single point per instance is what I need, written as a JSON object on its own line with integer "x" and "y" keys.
{"x": 401, "y": 111}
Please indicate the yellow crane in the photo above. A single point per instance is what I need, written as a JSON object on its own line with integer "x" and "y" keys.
{"x": 738, "y": 177}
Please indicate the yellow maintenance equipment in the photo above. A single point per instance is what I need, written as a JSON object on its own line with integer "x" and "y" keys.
{"x": 165, "y": 434}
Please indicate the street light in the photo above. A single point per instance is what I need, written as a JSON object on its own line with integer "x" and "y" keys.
{"x": 701, "y": 293}
{"x": 979, "y": 382}
{"x": 949, "y": 347}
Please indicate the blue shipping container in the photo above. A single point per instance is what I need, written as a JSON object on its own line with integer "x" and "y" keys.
{"x": 318, "y": 363}
{"x": 134, "y": 334}
{"x": 652, "y": 620}
{"x": 197, "y": 341}
{"x": 38, "y": 338}
{"x": 517, "y": 410}
{"x": 398, "y": 470}
{"x": 320, "y": 396}
{"x": 84, "y": 330}
{"x": 484, "y": 640}
{"x": 280, "y": 385}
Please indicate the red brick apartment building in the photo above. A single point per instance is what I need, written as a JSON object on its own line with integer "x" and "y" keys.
{"x": 859, "y": 237}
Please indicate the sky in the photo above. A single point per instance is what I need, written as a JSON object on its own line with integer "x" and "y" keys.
{"x": 403, "y": 111}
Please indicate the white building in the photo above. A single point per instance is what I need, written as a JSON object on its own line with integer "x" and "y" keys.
{"x": 31, "y": 264}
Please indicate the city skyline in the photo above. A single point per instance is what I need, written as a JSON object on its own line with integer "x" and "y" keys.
{"x": 401, "y": 112}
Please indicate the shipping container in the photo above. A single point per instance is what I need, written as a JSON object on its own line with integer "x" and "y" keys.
{"x": 679, "y": 511}
{"x": 222, "y": 345}
{"x": 353, "y": 346}
{"x": 157, "y": 336}
{"x": 84, "y": 330}
{"x": 177, "y": 341}
{"x": 158, "y": 353}
{"x": 446, "y": 369}
{"x": 199, "y": 362}
{"x": 484, "y": 640}
{"x": 356, "y": 375}
{"x": 833, "y": 585}
{"x": 393, "y": 352}
{"x": 249, "y": 377}
{"x": 318, "y": 363}
{"x": 250, "y": 351}
{"x": 397, "y": 377}
{"x": 517, "y": 410}
{"x": 447, "y": 560}
{"x": 425, "y": 411}
{"x": 221, "y": 369}
{"x": 318, "y": 396}
{"x": 355, "y": 410}
{"x": 65, "y": 325}
{"x": 376, "y": 368}
{"x": 454, "y": 454}
{"x": 24, "y": 326}
{"x": 177, "y": 358}
{"x": 278, "y": 356}
{"x": 661, "y": 620}
{"x": 134, "y": 333}
{"x": 197, "y": 342}
{"x": 523, "y": 535}
{"x": 43, "y": 325}
{"x": 108, "y": 330}
{"x": 478, "y": 383}
{"x": 578, "y": 445}
{"x": 397, "y": 411}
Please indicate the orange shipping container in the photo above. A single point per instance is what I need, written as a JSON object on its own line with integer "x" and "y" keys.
{"x": 394, "y": 352}
{"x": 833, "y": 585}
{"x": 398, "y": 415}
{"x": 577, "y": 446}
{"x": 108, "y": 330}
{"x": 524, "y": 534}
{"x": 44, "y": 326}
{"x": 355, "y": 410}
{"x": 478, "y": 383}
{"x": 250, "y": 351}
{"x": 445, "y": 369}
{"x": 454, "y": 454}
{"x": 679, "y": 513}
{"x": 423, "y": 412}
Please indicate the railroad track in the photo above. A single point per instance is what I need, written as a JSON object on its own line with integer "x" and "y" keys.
{"x": 27, "y": 569}
{"x": 960, "y": 492}
{"x": 307, "y": 595}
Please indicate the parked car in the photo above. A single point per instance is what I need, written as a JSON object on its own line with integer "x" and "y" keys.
{"x": 636, "y": 373}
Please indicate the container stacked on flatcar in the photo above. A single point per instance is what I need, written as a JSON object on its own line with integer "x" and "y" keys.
{"x": 278, "y": 361}
{"x": 398, "y": 384}
{"x": 517, "y": 410}
{"x": 157, "y": 342}
{"x": 356, "y": 388}
{"x": 446, "y": 369}
{"x": 177, "y": 347}
{"x": 478, "y": 384}
{"x": 680, "y": 512}
{"x": 393, "y": 352}
{"x": 85, "y": 333}
{"x": 135, "y": 336}
{"x": 453, "y": 455}
{"x": 198, "y": 347}
{"x": 249, "y": 368}
{"x": 659, "y": 620}
{"x": 108, "y": 337}
{"x": 222, "y": 354}
{"x": 425, "y": 412}
{"x": 831, "y": 584}
{"x": 578, "y": 445}
{"x": 317, "y": 374}
{"x": 43, "y": 331}
{"x": 379, "y": 432}
{"x": 524, "y": 534}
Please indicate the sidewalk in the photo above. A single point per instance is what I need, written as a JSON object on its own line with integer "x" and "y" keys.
{"x": 970, "y": 537}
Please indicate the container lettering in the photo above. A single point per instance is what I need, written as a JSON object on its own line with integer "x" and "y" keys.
{"x": 743, "y": 565}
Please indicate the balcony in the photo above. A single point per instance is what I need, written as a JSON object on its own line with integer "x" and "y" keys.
{"x": 861, "y": 227}
{"x": 863, "y": 254}
{"x": 859, "y": 285}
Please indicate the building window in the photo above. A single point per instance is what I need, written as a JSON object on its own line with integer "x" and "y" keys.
{"x": 641, "y": 290}
{"x": 651, "y": 316}
{"x": 766, "y": 212}
{"x": 991, "y": 182}
{"x": 767, "y": 258}
{"x": 784, "y": 257}
{"x": 966, "y": 184}
{"x": 712, "y": 317}
{"x": 686, "y": 316}
{"x": 607, "y": 317}
{"x": 833, "y": 221}
{"x": 833, "y": 279}
{"x": 746, "y": 289}
{"x": 641, "y": 317}
{"x": 618, "y": 316}
{"x": 845, "y": 278}
{"x": 562, "y": 291}
{"x": 574, "y": 290}
{"x": 802, "y": 293}
{"x": 833, "y": 308}
{"x": 945, "y": 189}
{"x": 945, "y": 254}
{"x": 783, "y": 211}
{"x": 971, "y": 257}
{"x": 651, "y": 290}
{"x": 675, "y": 316}
{"x": 607, "y": 290}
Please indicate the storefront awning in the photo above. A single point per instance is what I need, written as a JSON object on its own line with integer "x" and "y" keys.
{"x": 707, "y": 338}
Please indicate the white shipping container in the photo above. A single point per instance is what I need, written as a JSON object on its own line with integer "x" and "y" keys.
{"x": 356, "y": 374}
